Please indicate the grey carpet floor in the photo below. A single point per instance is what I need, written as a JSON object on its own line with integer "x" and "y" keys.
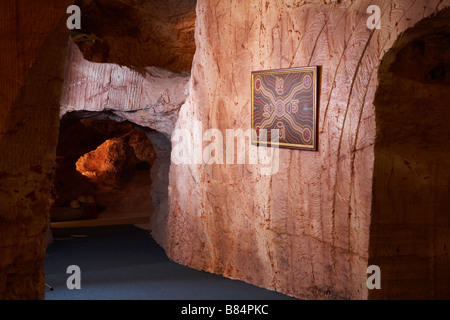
{"x": 125, "y": 263}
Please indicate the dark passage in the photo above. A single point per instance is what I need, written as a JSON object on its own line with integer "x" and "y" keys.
{"x": 106, "y": 161}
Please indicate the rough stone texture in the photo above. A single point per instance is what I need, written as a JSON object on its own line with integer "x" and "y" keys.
{"x": 151, "y": 99}
{"x": 304, "y": 231}
{"x": 110, "y": 163}
{"x": 137, "y": 33}
{"x": 160, "y": 184}
{"x": 122, "y": 181}
{"x": 34, "y": 39}
{"x": 75, "y": 140}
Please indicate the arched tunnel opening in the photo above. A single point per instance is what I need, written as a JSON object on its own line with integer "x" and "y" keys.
{"x": 103, "y": 171}
{"x": 123, "y": 89}
{"x": 410, "y": 229}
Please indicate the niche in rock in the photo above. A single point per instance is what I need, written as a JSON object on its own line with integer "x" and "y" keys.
{"x": 102, "y": 171}
{"x": 410, "y": 231}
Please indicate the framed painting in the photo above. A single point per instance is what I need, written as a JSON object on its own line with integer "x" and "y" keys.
{"x": 285, "y": 99}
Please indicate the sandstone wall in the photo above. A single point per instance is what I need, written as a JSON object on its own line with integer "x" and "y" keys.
{"x": 33, "y": 46}
{"x": 139, "y": 34}
{"x": 305, "y": 230}
{"x": 151, "y": 99}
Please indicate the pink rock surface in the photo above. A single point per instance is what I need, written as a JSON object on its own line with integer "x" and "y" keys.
{"x": 305, "y": 230}
{"x": 152, "y": 99}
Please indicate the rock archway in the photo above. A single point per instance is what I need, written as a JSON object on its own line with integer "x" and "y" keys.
{"x": 103, "y": 166}
{"x": 112, "y": 101}
{"x": 410, "y": 228}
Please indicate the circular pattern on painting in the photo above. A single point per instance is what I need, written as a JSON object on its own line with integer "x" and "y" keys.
{"x": 307, "y": 135}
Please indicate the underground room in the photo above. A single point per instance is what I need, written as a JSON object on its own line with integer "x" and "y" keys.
{"x": 225, "y": 150}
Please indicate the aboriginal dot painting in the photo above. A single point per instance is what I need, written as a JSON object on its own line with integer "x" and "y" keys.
{"x": 285, "y": 99}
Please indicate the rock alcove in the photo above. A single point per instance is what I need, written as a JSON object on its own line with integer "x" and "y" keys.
{"x": 410, "y": 227}
{"x": 120, "y": 102}
{"x": 102, "y": 171}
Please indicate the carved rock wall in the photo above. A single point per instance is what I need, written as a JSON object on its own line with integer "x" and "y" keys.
{"x": 138, "y": 33}
{"x": 32, "y": 66}
{"x": 151, "y": 99}
{"x": 305, "y": 230}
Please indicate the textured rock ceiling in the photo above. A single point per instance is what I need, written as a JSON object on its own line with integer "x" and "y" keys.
{"x": 140, "y": 33}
